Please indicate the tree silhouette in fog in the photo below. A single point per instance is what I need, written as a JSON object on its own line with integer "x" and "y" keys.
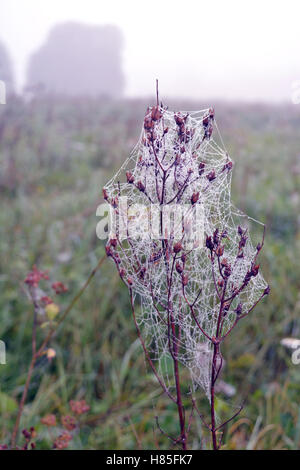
{"x": 6, "y": 72}
{"x": 79, "y": 59}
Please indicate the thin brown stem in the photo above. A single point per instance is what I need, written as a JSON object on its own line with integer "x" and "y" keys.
{"x": 146, "y": 351}
{"x": 212, "y": 402}
{"x": 180, "y": 407}
{"x": 22, "y": 402}
{"x": 230, "y": 419}
{"x": 71, "y": 305}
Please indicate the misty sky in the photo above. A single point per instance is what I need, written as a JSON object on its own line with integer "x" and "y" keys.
{"x": 230, "y": 49}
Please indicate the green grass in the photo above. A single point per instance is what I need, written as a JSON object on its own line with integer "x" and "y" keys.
{"x": 55, "y": 156}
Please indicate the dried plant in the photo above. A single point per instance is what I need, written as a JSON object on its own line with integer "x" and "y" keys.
{"x": 46, "y": 318}
{"x": 70, "y": 423}
{"x": 178, "y": 244}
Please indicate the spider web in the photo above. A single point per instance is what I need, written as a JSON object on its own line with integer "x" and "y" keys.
{"x": 166, "y": 167}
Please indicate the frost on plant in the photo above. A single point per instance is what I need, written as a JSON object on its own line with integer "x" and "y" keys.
{"x": 180, "y": 245}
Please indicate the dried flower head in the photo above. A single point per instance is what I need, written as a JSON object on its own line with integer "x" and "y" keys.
{"x": 49, "y": 420}
{"x": 59, "y": 287}
{"x": 62, "y": 441}
{"x": 68, "y": 422}
{"x": 79, "y": 407}
{"x": 35, "y": 276}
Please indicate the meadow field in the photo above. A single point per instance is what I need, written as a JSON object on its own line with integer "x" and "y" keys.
{"x": 55, "y": 156}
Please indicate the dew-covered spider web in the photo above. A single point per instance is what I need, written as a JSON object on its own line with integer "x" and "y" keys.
{"x": 169, "y": 196}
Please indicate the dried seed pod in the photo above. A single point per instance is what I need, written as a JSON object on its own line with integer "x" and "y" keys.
{"x": 267, "y": 290}
{"x": 220, "y": 250}
{"x": 216, "y": 236}
{"x": 254, "y": 270}
{"x": 227, "y": 271}
{"x": 148, "y": 123}
{"x": 239, "y": 309}
{"x": 242, "y": 242}
{"x": 194, "y": 198}
{"x": 141, "y": 187}
{"x": 209, "y": 243}
{"x": 226, "y": 308}
{"x": 113, "y": 242}
{"x": 115, "y": 202}
{"x": 130, "y": 177}
{"x": 156, "y": 113}
{"x": 205, "y": 121}
{"x": 208, "y": 132}
{"x": 117, "y": 258}
{"x": 179, "y": 268}
{"x": 142, "y": 272}
{"x": 211, "y": 113}
{"x": 108, "y": 251}
{"x": 211, "y": 176}
{"x": 228, "y": 166}
{"x": 122, "y": 272}
{"x": 179, "y": 119}
{"x": 105, "y": 195}
{"x": 201, "y": 168}
{"x": 177, "y": 247}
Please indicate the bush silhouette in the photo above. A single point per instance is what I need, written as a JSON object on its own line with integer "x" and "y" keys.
{"x": 79, "y": 59}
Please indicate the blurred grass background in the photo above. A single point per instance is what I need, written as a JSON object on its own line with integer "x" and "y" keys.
{"x": 55, "y": 156}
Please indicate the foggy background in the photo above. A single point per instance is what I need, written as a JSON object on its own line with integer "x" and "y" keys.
{"x": 221, "y": 50}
